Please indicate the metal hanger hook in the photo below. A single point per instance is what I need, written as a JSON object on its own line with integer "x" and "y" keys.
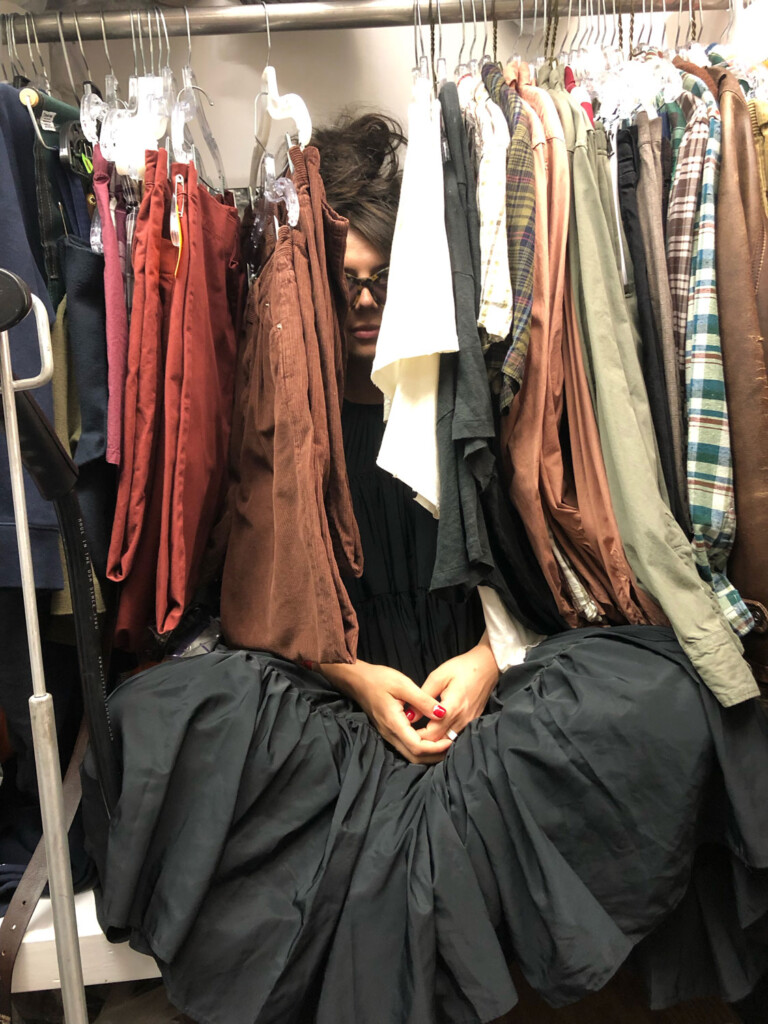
{"x": 578, "y": 28}
{"x": 199, "y": 88}
{"x": 82, "y": 51}
{"x": 567, "y": 25}
{"x": 133, "y": 44}
{"x": 8, "y": 47}
{"x": 266, "y": 25}
{"x": 485, "y": 29}
{"x": 106, "y": 48}
{"x": 159, "y": 40}
{"x": 151, "y": 44}
{"x": 679, "y": 23}
{"x": 60, "y": 23}
{"x": 421, "y": 30}
{"x": 474, "y": 32}
{"x": 141, "y": 44}
{"x": 16, "y": 53}
{"x": 463, "y": 31}
{"x": 29, "y": 44}
{"x": 37, "y": 47}
{"x": 161, "y": 12}
{"x": 189, "y": 39}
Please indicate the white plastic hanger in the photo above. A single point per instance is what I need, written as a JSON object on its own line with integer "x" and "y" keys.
{"x": 270, "y": 107}
{"x": 129, "y": 133}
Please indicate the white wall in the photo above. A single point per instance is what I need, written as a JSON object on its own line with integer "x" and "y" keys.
{"x": 363, "y": 68}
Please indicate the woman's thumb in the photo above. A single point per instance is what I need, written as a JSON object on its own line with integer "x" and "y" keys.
{"x": 425, "y": 704}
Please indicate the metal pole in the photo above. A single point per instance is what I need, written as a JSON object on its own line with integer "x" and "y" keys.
{"x": 41, "y": 706}
{"x": 288, "y": 17}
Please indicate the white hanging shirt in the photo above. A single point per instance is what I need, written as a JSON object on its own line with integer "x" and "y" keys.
{"x": 419, "y": 321}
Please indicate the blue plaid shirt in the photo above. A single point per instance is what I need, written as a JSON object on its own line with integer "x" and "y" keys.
{"x": 709, "y": 463}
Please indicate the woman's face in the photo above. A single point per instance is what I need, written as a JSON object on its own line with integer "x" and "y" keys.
{"x": 364, "y": 316}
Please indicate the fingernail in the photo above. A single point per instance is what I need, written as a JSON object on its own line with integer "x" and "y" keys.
{"x": 410, "y": 715}
{"x": 438, "y": 711}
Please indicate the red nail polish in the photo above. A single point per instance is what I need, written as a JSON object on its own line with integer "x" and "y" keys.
{"x": 410, "y": 715}
{"x": 438, "y": 711}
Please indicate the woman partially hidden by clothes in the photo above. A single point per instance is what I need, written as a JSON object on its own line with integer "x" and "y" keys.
{"x": 374, "y": 843}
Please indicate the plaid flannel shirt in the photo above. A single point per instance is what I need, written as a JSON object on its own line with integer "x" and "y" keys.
{"x": 683, "y": 204}
{"x": 583, "y": 601}
{"x": 709, "y": 463}
{"x": 521, "y": 235}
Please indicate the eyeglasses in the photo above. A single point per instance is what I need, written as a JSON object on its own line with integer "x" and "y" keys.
{"x": 376, "y": 285}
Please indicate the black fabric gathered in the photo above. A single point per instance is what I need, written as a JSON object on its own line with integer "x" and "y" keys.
{"x": 286, "y": 866}
{"x": 402, "y": 624}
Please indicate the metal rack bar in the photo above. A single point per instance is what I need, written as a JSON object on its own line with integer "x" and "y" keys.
{"x": 288, "y": 17}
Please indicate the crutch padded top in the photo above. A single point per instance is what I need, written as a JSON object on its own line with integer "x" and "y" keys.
{"x": 15, "y": 300}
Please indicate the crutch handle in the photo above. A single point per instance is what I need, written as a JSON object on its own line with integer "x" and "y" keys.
{"x": 15, "y": 300}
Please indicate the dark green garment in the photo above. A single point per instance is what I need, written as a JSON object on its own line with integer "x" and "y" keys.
{"x": 677, "y": 125}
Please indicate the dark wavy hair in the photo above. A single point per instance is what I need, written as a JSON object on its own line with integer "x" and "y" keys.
{"x": 361, "y": 172}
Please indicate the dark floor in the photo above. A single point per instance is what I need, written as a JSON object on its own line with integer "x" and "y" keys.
{"x": 620, "y": 1002}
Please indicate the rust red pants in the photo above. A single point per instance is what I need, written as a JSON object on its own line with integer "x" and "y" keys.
{"x": 179, "y": 396}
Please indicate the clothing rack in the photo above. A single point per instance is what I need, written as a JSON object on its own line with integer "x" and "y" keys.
{"x": 335, "y": 14}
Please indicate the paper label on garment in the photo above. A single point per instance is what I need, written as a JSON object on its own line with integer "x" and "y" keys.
{"x": 48, "y": 121}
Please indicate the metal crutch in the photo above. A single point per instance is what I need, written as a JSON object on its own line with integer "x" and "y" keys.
{"x": 16, "y": 302}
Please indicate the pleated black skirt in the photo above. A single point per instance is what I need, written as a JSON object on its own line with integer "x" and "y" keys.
{"x": 283, "y": 864}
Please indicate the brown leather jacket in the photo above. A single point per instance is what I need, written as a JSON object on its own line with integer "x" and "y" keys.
{"x": 742, "y": 286}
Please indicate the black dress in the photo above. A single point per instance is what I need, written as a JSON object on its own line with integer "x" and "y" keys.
{"x": 284, "y": 865}
{"x": 402, "y": 624}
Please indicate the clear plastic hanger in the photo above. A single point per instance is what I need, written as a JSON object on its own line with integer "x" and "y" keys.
{"x": 269, "y": 107}
{"x": 143, "y": 123}
{"x": 696, "y": 52}
{"x": 93, "y": 109}
{"x": 117, "y": 114}
{"x": 532, "y": 36}
{"x": 188, "y": 110}
{"x": 166, "y": 71}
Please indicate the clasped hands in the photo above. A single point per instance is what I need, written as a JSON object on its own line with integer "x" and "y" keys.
{"x": 416, "y": 720}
